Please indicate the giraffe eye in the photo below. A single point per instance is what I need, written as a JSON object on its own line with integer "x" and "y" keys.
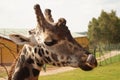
{"x": 51, "y": 42}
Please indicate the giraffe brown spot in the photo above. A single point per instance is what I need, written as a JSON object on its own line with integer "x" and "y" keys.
{"x": 42, "y": 61}
{"x": 45, "y": 60}
{"x": 39, "y": 46}
{"x": 41, "y": 52}
{"x": 47, "y": 52}
{"x": 39, "y": 64}
{"x": 24, "y": 50}
{"x": 22, "y": 74}
{"x": 36, "y": 59}
{"x": 30, "y": 60}
{"x": 54, "y": 56}
{"x": 23, "y": 40}
{"x": 22, "y": 60}
{"x": 35, "y": 50}
{"x": 48, "y": 59}
{"x": 63, "y": 63}
{"x": 62, "y": 57}
{"x": 30, "y": 49}
{"x": 53, "y": 64}
{"x": 35, "y": 72}
{"x": 58, "y": 64}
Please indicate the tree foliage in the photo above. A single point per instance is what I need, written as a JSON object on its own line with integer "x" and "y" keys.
{"x": 105, "y": 28}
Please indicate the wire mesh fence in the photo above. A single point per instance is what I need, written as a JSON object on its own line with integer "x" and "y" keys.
{"x": 107, "y": 54}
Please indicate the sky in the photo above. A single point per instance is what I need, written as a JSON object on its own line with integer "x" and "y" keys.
{"x": 78, "y": 13}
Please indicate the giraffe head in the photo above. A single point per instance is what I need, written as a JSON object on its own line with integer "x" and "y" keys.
{"x": 56, "y": 42}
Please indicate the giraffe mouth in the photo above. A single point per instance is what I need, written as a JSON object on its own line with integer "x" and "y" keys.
{"x": 90, "y": 63}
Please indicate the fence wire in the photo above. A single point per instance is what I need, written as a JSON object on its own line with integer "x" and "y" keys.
{"x": 107, "y": 54}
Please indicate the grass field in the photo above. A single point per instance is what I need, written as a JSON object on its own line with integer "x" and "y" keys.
{"x": 108, "y": 72}
{"x": 110, "y": 60}
{"x": 105, "y": 72}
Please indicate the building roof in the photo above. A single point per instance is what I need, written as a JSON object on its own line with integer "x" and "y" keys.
{"x": 5, "y": 33}
{"x": 77, "y": 34}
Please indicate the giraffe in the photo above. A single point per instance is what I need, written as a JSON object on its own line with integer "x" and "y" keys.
{"x": 48, "y": 43}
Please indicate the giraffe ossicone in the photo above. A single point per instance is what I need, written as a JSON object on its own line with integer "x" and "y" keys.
{"x": 48, "y": 43}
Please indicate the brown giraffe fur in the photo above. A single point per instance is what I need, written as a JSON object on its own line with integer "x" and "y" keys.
{"x": 49, "y": 19}
{"x": 49, "y": 43}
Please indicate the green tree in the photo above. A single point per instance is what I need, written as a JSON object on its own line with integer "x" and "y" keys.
{"x": 105, "y": 28}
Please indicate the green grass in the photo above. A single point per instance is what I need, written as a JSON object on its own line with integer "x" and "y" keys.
{"x": 3, "y": 74}
{"x": 105, "y": 72}
{"x": 110, "y": 60}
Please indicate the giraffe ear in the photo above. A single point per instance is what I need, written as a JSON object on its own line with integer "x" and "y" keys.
{"x": 19, "y": 39}
{"x": 32, "y": 31}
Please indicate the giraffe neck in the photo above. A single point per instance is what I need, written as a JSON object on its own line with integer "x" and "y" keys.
{"x": 31, "y": 60}
{"x": 27, "y": 67}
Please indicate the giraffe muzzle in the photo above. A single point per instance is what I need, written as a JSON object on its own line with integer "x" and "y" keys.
{"x": 89, "y": 64}
{"x": 91, "y": 61}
